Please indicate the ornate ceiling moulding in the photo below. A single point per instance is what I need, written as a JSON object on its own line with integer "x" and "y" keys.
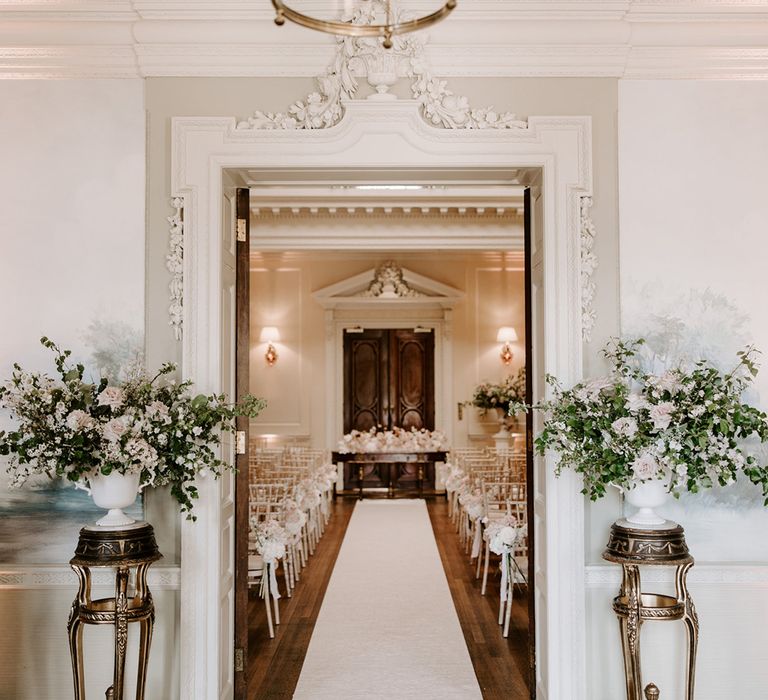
{"x": 492, "y": 214}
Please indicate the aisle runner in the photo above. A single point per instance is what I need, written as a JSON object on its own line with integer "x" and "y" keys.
{"x": 387, "y": 627}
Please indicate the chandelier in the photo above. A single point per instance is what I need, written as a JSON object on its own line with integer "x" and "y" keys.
{"x": 392, "y": 26}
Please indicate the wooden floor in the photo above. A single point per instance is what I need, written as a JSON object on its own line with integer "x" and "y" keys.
{"x": 501, "y": 664}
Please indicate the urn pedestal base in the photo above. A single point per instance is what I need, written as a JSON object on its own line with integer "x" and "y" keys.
{"x": 133, "y": 547}
{"x": 632, "y": 547}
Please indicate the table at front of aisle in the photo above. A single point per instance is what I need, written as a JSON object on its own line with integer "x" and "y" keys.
{"x": 393, "y": 461}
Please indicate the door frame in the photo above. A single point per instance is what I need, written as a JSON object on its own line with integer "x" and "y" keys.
{"x": 384, "y": 135}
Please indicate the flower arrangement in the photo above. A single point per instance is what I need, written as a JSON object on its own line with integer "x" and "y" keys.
{"x": 395, "y": 440}
{"x": 504, "y": 534}
{"x": 152, "y": 426}
{"x": 508, "y": 394}
{"x": 687, "y": 425}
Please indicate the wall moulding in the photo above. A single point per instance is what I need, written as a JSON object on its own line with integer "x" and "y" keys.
{"x": 552, "y": 153}
{"x": 30, "y": 577}
{"x": 611, "y": 38}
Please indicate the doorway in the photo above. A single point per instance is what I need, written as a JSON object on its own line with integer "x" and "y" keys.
{"x": 389, "y": 382}
{"x": 393, "y": 137}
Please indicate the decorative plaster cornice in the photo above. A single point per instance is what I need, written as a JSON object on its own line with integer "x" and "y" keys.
{"x": 655, "y": 39}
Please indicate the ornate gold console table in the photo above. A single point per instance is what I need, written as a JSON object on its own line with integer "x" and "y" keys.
{"x": 633, "y": 548}
{"x": 132, "y": 546}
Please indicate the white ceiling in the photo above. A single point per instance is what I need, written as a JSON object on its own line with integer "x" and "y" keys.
{"x": 620, "y": 38}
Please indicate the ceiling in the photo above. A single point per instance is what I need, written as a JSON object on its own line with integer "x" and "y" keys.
{"x": 483, "y": 38}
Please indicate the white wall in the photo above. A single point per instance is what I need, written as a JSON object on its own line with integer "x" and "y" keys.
{"x": 72, "y": 202}
{"x": 693, "y": 213}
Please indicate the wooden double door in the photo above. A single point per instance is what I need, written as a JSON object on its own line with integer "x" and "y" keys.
{"x": 389, "y": 381}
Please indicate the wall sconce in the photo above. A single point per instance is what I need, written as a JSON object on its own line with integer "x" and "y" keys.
{"x": 270, "y": 335}
{"x": 506, "y": 335}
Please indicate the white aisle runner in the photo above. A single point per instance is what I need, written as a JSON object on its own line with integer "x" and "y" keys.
{"x": 387, "y": 627}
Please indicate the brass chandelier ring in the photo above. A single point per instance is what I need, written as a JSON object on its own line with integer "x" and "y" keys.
{"x": 387, "y": 31}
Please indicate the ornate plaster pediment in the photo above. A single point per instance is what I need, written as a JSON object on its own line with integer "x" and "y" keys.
{"x": 388, "y": 286}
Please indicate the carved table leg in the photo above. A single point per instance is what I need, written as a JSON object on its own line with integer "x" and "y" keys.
{"x": 630, "y": 632}
{"x": 691, "y": 620}
{"x": 145, "y": 629}
{"x": 360, "y": 475}
{"x": 421, "y": 480}
{"x": 121, "y": 630}
{"x": 75, "y": 630}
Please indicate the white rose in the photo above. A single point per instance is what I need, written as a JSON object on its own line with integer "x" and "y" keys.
{"x": 661, "y": 415}
{"x": 670, "y": 382}
{"x": 625, "y": 426}
{"x": 157, "y": 408}
{"x": 636, "y": 402}
{"x": 114, "y": 429}
{"x": 645, "y": 466}
{"x": 112, "y": 396}
{"x": 78, "y": 420}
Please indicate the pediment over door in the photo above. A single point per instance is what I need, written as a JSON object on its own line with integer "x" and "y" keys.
{"x": 388, "y": 286}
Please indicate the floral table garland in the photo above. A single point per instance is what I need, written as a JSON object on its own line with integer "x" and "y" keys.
{"x": 395, "y": 440}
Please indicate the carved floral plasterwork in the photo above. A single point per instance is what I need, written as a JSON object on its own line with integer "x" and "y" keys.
{"x": 587, "y": 234}
{"x": 174, "y": 261}
{"x": 388, "y": 283}
{"x": 440, "y": 107}
{"x": 354, "y": 57}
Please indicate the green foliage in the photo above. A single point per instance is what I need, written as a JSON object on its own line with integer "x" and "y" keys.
{"x": 72, "y": 429}
{"x": 509, "y": 393}
{"x": 688, "y": 426}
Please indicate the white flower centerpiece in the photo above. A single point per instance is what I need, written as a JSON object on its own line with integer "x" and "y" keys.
{"x": 505, "y": 397}
{"x": 681, "y": 430}
{"x": 114, "y": 440}
{"x": 395, "y": 440}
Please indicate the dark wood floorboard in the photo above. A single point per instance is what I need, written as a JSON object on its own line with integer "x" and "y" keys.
{"x": 501, "y": 665}
{"x": 274, "y": 665}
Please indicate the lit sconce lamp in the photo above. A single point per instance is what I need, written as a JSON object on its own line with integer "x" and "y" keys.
{"x": 506, "y": 335}
{"x": 270, "y": 335}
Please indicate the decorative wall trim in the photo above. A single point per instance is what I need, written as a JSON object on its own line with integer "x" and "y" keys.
{"x": 588, "y": 266}
{"x": 31, "y": 577}
{"x": 740, "y": 576}
{"x": 174, "y": 261}
{"x": 642, "y": 39}
{"x": 440, "y": 107}
{"x": 554, "y": 155}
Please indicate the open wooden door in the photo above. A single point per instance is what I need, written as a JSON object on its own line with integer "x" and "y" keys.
{"x": 536, "y": 466}
{"x": 242, "y": 386}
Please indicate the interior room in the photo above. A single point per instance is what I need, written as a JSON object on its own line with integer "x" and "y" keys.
{"x": 400, "y": 349}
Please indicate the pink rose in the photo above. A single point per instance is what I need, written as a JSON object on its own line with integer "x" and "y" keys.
{"x": 114, "y": 429}
{"x": 112, "y": 396}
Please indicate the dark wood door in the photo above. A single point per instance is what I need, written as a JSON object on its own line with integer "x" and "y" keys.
{"x": 389, "y": 381}
{"x": 242, "y": 352}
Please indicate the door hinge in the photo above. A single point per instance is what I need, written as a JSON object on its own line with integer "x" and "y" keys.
{"x": 239, "y": 660}
{"x": 241, "y": 224}
{"x": 240, "y": 442}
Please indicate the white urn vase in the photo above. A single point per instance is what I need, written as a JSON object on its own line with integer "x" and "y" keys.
{"x": 502, "y": 437}
{"x": 113, "y": 492}
{"x": 646, "y": 496}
